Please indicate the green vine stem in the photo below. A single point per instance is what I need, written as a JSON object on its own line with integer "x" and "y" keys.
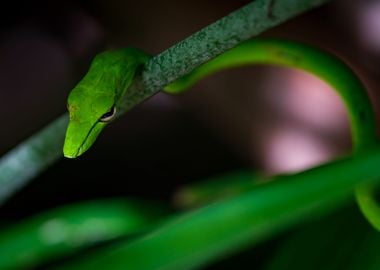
{"x": 196, "y": 238}
{"x": 33, "y": 155}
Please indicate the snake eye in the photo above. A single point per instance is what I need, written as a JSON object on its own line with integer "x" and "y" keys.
{"x": 108, "y": 116}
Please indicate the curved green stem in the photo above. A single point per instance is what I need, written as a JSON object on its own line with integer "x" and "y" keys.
{"x": 366, "y": 198}
{"x": 303, "y": 57}
{"x": 326, "y": 67}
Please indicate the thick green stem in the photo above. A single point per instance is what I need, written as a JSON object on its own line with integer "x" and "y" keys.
{"x": 198, "y": 237}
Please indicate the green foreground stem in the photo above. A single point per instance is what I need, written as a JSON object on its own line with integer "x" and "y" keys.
{"x": 201, "y": 236}
{"x": 63, "y": 231}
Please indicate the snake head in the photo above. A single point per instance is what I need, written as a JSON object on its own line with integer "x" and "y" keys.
{"x": 96, "y": 100}
{"x": 85, "y": 119}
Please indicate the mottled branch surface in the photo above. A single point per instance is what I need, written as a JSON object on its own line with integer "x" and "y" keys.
{"x": 224, "y": 34}
{"x": 33, "y": 155}
{"x": 211, "y": 41}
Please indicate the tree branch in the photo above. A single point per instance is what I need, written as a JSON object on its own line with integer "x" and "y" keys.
{"x": 33, "y": 155}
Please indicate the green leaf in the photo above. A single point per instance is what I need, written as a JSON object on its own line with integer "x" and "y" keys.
{"x": 193, "y": 239}
{"x": 344, "y": 240}
{"x": 63, "y": 231}
{"x": 216, "y": 188}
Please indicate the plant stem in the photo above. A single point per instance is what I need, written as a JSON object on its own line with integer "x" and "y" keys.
{"x": 32, "y": 156}
{"x": 201, "y": 236}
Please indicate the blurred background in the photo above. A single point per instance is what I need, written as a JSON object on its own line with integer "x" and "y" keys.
{"x": 267, "y": 119}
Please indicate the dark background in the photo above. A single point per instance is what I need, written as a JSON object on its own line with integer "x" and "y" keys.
{"x": 262, "y": 118}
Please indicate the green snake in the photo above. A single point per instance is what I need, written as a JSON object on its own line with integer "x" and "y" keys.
{"x": 100, "y": 95}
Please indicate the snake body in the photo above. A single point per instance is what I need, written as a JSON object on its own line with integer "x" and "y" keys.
{"x": 99, "y": 97}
